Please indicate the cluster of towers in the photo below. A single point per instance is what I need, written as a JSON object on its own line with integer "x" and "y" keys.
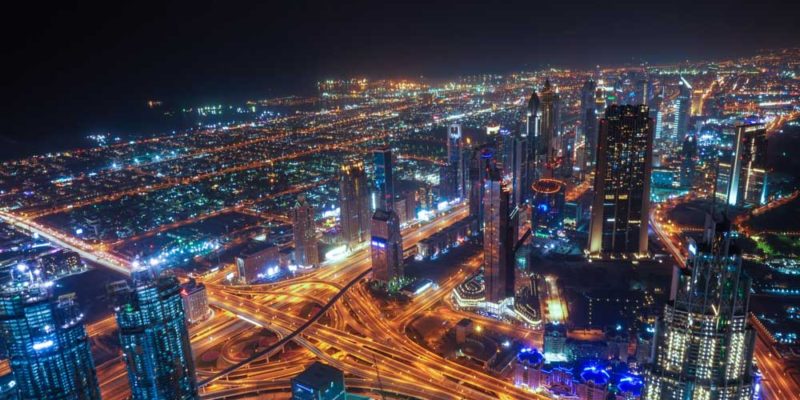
{"x": 49, "y": 350}
{"x": 372, "y": 217}
{"x": 525, "y": 173}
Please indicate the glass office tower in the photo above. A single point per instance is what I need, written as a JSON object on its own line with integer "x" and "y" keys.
{"x": 47, "y": 345}
{"x": 154, "y": 337}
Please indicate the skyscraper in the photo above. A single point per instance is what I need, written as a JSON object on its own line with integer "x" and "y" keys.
{"x": 688, "y": 154}
{"x": 588, "y": 118}
{"x": 384, "y": 179}
{"x": 704, "y": 343}
{"x": 386, "y": 246}
{"x": 622, "y": 182}
{"x": 683, "y": 109}
{"x": 498, "y": 239}
{"x": 154, "y": 337}
{"x": 46, "y": 344}
{"x": 306, "y": 248}
{"x": 354, "y": 203}
{"x": 549, "y": 143}
{"x": 532, "y": 132}
{"x": 742, "y": 170}
{"x": 513, "y": 151}
{"x": 455, "y": 162}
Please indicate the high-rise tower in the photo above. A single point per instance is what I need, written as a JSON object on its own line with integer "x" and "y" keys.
{"x": 384, "y": 179}
{"x": 46, "y": 344}
{"x": 704, "y": 343}
{"x": 688, "y": 154}
{"x": 354, "y": 203}
{"x": 589, "y": 122}
{"x": 622, "y": 182}
{"x": 386, "y": 246}
{"x": 513, "y": 160}
{"x": 742, "y": 170}
{"x": 532, "y": 131}
{"x": 154, "y": 337}
{"x": 479, "y": 163}
{"x": 306, "y": 248}
{"x": 683, "y": 109}
{"x": 498, "y": 239}
{"x": 456, "y": 184}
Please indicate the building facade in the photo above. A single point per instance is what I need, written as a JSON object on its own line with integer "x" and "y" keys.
{"x": 306, "y": 247}
{"x": 384, "y": 179}
{"x": 550, "y": 127}
{"x": 47, "y": 345}
{"x": 456, "y": 184}
{"x": 386, "y": 246}
{"x": 195, "y": 301}
{"x": 589, "y": 123}
{"x": 154, "y": 337}
{"x": 354, "y": 203}
{"x": 683, "y": 109}
{"x": 620, "y": 210}
{"x": 742, "y": 169}
{"x": 703, "y": 343}
{"x": 498, "y": 239}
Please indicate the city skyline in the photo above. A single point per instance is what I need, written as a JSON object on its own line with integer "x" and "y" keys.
{"x": 441, "y": 214}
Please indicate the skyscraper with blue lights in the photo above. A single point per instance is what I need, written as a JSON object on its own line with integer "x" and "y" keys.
{"x": 384, "y": 179}
{"x": 47, "y": 345}
{"x": 154, "y": 337}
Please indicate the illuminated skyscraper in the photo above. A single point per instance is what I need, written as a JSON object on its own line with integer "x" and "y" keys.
{"x": 622, "y": 182}
{"x": 306, "y": 248}
{"x": 704, "y": 343}
{"x": 479, "y": 163}
{"x": 384, "y": 179}
{"x": 688, "y": 154}
{"x": 589, "y": 121}
{"x": 498, "y": 239}
{"x": 514, "y": 160}
{"x": 455, "y": 183}
{"x": 532, "y": 132}
{"x": 354, "y": 204}
{"x": 683, "y": 109}
{"x": 742, "y": 170}
{"x": 154, "y": 337}
{"x": 549, "y": 140}
{"x": 46, "y": 344}
{"x": 386, "y": 246}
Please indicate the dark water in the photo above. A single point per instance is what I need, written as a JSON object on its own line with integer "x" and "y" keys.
{"x": 66, "y": 129}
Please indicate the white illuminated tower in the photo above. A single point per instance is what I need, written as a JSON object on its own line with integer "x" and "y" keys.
{"x": 704, "y": 344}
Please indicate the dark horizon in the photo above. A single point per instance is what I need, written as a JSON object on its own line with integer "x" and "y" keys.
{"x": 76, "y": 69}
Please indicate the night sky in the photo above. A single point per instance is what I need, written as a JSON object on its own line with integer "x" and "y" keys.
{"x": 75, "y": 68}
